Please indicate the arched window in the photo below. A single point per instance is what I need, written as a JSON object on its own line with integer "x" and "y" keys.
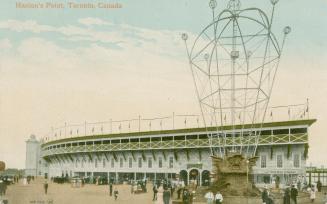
{"x": 130, "y": 162}
{"x": 121, "y": 163}
{"x": 112, "y": 163}
{"x": 76, "y": 163}
{"x": 149, "y": 162}
{"x": 171, "y": 162}
{"x": 140, "y": 162}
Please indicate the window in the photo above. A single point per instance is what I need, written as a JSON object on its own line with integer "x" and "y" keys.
{"x": 167, "y": 138}
{"x": 263, "y": 161}
{"x": 160, "y": 162}
{"x": 281, "y": 132}
{"x": 299, "y": 130}
{"x": 147, "y": 139}
{"x": 83, "y": 163}
{"x": 280, "y": 161}
{"x": 104, "y": 163}
{"x": 130, "y": 162}
{"x": 171, "y": 162}
{"x": 296, "y": 160}
{"x": 121, "y": 162}
{"x": 76, "y": 163}
{"x": 149, "y": 162}
{"x": 140, "y": 162}
{"x": 96, "y": 163}
{"x": 112, "y": 163}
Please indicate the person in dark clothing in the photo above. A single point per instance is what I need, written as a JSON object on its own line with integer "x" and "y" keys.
{"x": 116, "y": 193}
{"x": 110, "y": 189}
{"x": 287, "y": 196}
{"x": 46, "y": 185}
{"x": 2, "y": 186}
{"x": 319, "y": 185}
{"x": 155, "y": 192}
{"x": 294, "y": 194}
{"x": 166, "y": 196}
{"x": 172, "y": 189}
{"x": 264, "y": 195}
{"x": 179, "y": 193}
{"x": 186, "y": 196}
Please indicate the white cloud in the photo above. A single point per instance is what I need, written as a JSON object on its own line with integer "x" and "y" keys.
{"x": 93, "y": 21}
{"x": 28, "y": 25}
{"x": 125, "y": 36}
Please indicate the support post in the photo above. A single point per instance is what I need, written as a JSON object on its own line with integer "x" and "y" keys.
{"x": 139, "y": 123}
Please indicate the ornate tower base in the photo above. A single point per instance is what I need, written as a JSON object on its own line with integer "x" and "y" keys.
{"x": 231, "y": 175}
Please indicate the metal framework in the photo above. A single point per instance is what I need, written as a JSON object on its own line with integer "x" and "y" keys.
{"x": 300, "y": 138}
{"x": 276, "y": 134}
{"x": 233, "y": 62}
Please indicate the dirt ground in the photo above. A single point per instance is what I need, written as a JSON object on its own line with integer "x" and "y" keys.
{"x": 89, "y": 194}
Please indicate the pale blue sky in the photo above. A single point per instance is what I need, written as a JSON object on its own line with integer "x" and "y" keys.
{"x": 308, "y": 19}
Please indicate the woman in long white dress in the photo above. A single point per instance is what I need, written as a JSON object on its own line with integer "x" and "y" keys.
{"x": 160, "y": 195}
{"x": 312, "y": 193}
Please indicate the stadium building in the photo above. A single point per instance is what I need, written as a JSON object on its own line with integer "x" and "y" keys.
{"x": 176, "y": 153}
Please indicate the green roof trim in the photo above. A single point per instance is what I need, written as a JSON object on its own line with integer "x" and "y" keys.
{"x": 308, "y": 122}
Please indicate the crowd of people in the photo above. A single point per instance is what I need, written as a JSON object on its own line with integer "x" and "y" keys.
{"x": 163, "y": 191}
{"x": 290, "y": 195}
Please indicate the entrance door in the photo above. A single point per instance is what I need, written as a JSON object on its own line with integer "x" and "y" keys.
{"x": 205, "y": 178}
{"x": 183, "y": 176}
{"x": 194, "y": 176}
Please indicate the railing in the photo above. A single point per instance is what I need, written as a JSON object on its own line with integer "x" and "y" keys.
{"x": 174, "y": 121}
{"x": 300, "y": 138}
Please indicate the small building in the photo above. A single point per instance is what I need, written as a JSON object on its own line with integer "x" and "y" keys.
{"x": 315, "y": 174}
{"x": 34, "y": 164}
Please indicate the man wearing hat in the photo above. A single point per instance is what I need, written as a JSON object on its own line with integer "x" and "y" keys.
{"x": 210, "y": 197}
{"x": 264, "y": 195}
{"x": 218, "y": 198}
{"x": 186, "y": 196}
{"x": 294, "y": 194}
